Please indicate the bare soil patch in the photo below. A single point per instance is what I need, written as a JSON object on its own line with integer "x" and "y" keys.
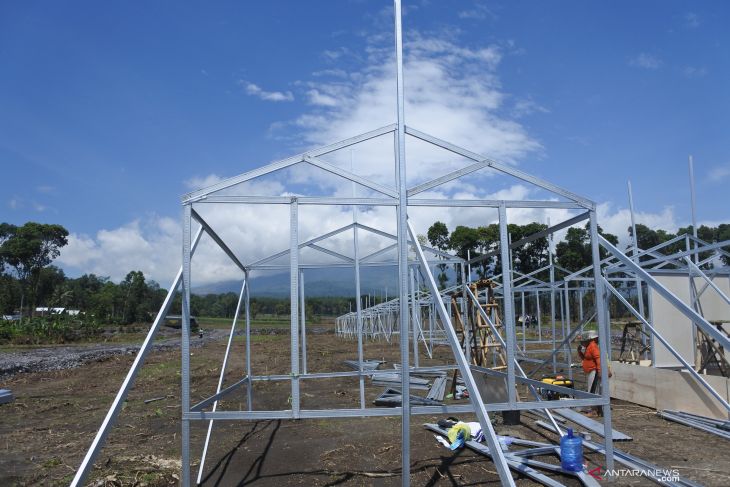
{"x": 44, "y": 434}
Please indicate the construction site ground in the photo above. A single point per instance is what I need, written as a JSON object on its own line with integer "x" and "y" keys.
{"x": 46, "y": 431}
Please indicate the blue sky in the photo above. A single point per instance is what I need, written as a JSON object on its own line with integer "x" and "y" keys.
{"x": 110, "y": 112}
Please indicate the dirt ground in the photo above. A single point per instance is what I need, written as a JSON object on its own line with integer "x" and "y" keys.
{"x": 45, "y": 432}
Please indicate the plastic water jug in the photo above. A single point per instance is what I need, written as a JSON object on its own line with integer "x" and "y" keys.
{"x": 571, "y": 452}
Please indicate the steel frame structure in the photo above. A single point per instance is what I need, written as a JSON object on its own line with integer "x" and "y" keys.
{"x": 400, "y": 198}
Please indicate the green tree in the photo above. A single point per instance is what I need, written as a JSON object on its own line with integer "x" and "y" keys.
{"x": 30, "y": 248}
{"x": 532, "y": 255}
{"x": 723, "y": 234}
{"x": 465, "y": 242}
{"x": 134, "y": 290}
{"x": 438, "y": 236}
{"x": 574, "y": 253}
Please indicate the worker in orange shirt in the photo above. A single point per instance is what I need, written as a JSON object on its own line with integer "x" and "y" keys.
{"x": 590, "y": 353}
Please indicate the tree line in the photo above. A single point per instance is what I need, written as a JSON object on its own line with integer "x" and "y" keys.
{"x": 573, "y": 253}
{"x": 28, "y": 279}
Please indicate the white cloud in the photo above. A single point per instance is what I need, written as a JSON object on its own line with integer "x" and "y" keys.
{"x": 719, "y": 173}
{"x": 692, "y": 20}
{"x": 17, "y": 203}
{"x": 527, "y": 106}
{"x": 151, "y": 246}
{"x": 199, "y": 182}
{"x": 479, "y": 12}
{"x": 316, "y": 97}
{"x": 618, "y": 220}
{"x": 451, "y": 91}
{"x": 645, "y": 61}
{"x": 255, "y": 90}
{"x": 254, "y": 232}
{"x": 694, "y": 72}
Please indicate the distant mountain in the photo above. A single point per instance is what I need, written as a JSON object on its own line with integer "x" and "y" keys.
{"x": 317, "y": 283}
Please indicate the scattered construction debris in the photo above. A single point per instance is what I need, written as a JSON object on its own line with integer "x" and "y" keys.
{"x": 438, "y": 389}
{"x": 366, "y": 364}
{"x": 521, "y": 460}
{"x": 661, "y": 476}
{"x": 388, "y": 379}
{"x": 589, "y": 424}
{"x": 392, "y": 397}
{"x": 715, "y": 426}
{"x": 6, "y": 395}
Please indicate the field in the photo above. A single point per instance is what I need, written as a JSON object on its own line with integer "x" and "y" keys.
{"x": 46, "y": 431}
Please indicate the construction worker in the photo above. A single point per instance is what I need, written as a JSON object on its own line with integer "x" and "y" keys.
{"x": 590, "y": 353}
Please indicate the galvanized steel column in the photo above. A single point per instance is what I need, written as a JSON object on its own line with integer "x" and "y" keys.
{"x": 185, "y": 348}
{"x": 249, "y": 390}
{"x": 294, "y": 303}
{"x": 358, "y": 310}
{"x": 508, "y": 304}
{"x": 303, "y": 309}
{"x": 402, "y": 230}
{"x": 414, "y": 323}
{"x": 604, "y": 338}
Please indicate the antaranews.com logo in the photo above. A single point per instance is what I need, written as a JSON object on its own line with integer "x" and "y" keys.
{"x": 662, "y": 475}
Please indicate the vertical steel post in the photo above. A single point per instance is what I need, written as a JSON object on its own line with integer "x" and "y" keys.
{"x": 604, "y": 339}
{"x": 581, "y": 294}
{"x": 294, "y": 303}
{"x": 402, "y": 230}
{"x": 650, "y": 303}
{"x": 303, "y": 312}
{"x": 552, "y": 309}
{"x": 566, "y": 330}
{"x": 524, "y": 331}
{"x": 508, "y": 303}
{"x": 358, "y": 310}
{"x": 639, "y": 285}
{"x": 249, "y": 385}
{"x": 468, "y": 265}
{"x": 539, "y": 318}
{"x": 692, "y": 194}
{"x": 465, "y": 314}
{"x": 414, "y": 324}
{"x": 185, "y": 348}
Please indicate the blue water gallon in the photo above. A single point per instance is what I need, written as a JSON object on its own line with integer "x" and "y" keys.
{"x": 571, "y": 452}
